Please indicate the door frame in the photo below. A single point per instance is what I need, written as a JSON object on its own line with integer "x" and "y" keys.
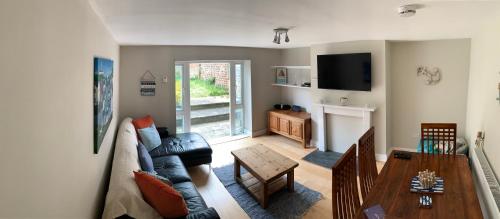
{"x": 186, "y": 94}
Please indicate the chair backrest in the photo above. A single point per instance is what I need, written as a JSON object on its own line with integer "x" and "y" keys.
{"x": 440, "y": 138}
{"x": 367, "y": 163}
{"x": 345, "y": 198}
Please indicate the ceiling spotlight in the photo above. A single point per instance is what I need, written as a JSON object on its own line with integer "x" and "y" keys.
{"x": 277, "y": 35}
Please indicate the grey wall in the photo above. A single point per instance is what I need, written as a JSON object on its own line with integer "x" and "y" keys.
{"x": 46, "y": 127}
{"x": 483, "y": 111}
{"x": 413, "y": 102}
{"x": 160, "y": 60}
{"x": 377, "y": 97}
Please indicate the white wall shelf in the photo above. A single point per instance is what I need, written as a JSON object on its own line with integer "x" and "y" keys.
{"x": 293, "y": 66}
{"x": 290, "y": 85}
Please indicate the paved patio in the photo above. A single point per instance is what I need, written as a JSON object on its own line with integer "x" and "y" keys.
{"x": 213, "y": 130}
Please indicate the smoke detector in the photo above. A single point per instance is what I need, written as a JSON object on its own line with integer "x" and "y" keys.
{"x": 407, "y": 10}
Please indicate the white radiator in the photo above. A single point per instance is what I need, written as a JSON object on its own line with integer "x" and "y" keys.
{"x": 487, "y": 186}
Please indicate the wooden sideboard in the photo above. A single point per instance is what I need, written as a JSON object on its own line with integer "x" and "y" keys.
{"x": 294, "y": 125}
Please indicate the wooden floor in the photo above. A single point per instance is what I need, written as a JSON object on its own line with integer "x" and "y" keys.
{"x": 312, "y": 176}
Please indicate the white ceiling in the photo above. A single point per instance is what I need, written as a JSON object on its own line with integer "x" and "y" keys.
{"x": 250, "y": 23}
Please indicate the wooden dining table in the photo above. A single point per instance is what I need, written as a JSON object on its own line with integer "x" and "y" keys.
{"x": 392, "y": 188}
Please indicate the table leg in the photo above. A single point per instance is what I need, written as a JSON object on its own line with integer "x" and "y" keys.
{"x": 237, "y": 173}
{"x": 264, "y": 196}
{"x": 289, "y": 181}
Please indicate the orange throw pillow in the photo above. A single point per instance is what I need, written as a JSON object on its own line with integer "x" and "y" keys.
{"x": 140, "y": 123}
{"x": 144, "y": 122}
{"x": 163, "y": 198}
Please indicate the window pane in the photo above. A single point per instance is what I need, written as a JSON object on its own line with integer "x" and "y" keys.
{"x": 238, "y": 79}
{"x": 238, "y": 122}
{"x": 179, "y": 122}
{"x": 178, "y": 87}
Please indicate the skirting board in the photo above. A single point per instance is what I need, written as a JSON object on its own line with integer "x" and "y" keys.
{"x": 381, "y": 157}
{"x": 259, "y": 133}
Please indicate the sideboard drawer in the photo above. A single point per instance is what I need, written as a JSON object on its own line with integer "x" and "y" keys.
{"x": 284, "y": 126}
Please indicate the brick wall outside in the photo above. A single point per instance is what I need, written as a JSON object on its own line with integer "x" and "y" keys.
{"x": 207, "y": 71}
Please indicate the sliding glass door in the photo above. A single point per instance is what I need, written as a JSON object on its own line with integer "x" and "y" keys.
{"x": 210, "y": 98}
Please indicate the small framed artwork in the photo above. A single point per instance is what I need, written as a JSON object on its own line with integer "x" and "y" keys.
{"x": 281, "y": 76}
{"x": 103, "y": 99}
{"x": 148, "y": 84}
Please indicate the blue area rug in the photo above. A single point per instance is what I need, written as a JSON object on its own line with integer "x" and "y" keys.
{"x": 282, "y": 204}
{"x": 325, "y": 159}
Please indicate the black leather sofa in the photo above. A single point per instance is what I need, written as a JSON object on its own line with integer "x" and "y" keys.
{"x": 171, "y": 159}
{"x": 171, "y": 167}
{"x": 192, "y": 148}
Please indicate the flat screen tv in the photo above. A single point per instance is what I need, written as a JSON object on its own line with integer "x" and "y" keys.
{"x": 345, "y": 72}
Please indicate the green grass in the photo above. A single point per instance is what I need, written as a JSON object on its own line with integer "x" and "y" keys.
{"x": 205, "y": 88}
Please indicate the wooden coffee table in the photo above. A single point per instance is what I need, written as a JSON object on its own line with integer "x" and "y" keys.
{"x": 267, "y": 170}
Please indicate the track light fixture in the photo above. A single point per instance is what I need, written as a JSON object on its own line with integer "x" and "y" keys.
{"x": 277, "y": 35}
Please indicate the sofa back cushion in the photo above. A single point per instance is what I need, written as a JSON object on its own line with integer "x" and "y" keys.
{"x": 165, "y": 199}
{"x": 150, "y": 137}
{"x": 145, "y": 159}
{"x": 124, "y": 197}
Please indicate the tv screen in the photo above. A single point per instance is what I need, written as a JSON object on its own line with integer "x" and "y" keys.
{"x": 345, "y": 72}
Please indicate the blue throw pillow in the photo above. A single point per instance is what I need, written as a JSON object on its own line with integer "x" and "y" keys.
{"x": 150, "y": 137}
{"x": 145, "y": 159}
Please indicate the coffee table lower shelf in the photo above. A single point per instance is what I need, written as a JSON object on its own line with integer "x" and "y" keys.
{"x": 256, "y": 188}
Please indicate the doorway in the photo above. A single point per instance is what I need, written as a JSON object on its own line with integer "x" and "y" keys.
{"x": 210, "y": 98}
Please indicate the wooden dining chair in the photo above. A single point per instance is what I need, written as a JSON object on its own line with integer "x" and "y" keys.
{"x": 439, "y": 137}
{"x": 345, "y": 198}
{"x": 367, "y": 163}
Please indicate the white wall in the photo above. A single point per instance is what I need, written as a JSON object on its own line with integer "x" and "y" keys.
{"x": 46, "y": 91}
{"x": 413, "y": 102}
{"x": 135, "y": 60}
{"x": 377, "y": 97}
{"x": 483, "y": 110}
{"x": 297, "y": 96}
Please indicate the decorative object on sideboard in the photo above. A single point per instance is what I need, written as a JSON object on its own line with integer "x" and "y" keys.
{"x": 344, "y": 101}
{"x": 296, "y": 108}
{"x": 282, "y": 106}
{"x": 431, "y": 76}
{"x": 148, "y": 84}
{"x": 103, "y": 99}
{"x": 281, "y": 76}
{"x": 277, "y": 35}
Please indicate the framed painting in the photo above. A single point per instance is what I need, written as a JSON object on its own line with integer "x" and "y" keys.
{"x": 103, "y": 99}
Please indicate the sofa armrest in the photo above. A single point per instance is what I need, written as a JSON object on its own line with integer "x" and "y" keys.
{"x": 208, "y": 213}
{"x": 163, "y": 131}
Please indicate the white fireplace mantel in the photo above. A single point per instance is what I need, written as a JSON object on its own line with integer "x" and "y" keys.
{"x": 363, "y": 112}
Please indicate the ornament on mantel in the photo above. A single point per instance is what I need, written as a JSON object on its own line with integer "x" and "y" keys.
{"x": 431, "y": 76}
